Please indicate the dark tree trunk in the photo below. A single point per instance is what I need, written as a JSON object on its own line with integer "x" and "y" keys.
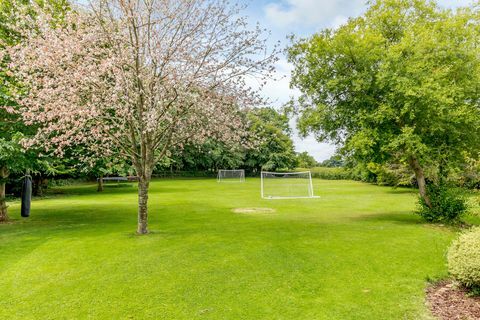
{"x": 3, "y": 202}
{"x": 38, "y": 184}
{"x": 143, "y": 185}
{"x": 43, "y": 186}
{"x": 420, "y": 176}
{"x": 100, "y": 184}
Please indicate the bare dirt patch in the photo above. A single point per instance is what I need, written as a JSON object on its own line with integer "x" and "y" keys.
{"x": 254, "y": 210}
{"x": 450, "y": 302}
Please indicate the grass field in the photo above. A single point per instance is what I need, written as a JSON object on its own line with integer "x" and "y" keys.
{"x": 356, "y": 252}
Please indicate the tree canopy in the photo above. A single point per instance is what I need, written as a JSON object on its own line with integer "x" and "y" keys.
{"x": 269, "y": 132}
{"x": 398, "y": 84}
{"x": 137, "y": 79}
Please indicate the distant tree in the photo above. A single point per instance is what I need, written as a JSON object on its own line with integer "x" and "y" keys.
{"x": 333, "y": 161}
{"x": 269, "y": 132}
{"x": 212, "y": 155}
{"x": 399, "y": 84}
{"x": 138, "y": 78}
{"x": 305, "y": 160}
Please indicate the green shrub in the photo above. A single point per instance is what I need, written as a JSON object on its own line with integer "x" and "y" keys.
{"x": 448, "y": 204}
{"x": 383, "y": 175}
{"x": 360, "y": 172}
{"x": 464, "y": 259}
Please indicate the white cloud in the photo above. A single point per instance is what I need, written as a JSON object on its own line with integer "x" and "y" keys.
{"x": 278, "y": 89}
{"x": 306, "y": 13}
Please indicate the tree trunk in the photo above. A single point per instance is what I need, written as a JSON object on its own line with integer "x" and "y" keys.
{"x": 420, "y": 176}
{"x": 38, "y": 184}
{"x": 3, "y": 202}
{"x": 143, "y": 184}
{"x": 100, "y": 184}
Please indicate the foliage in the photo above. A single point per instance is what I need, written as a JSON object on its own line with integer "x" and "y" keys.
{"x": 360, "y": 172}
{"x": 14, "y": 160}
{"x": 329, "y": 173}
{"x": 137, "y": 79}
{"x": 268, "y": 132}
{"x": 448, "y": 205}
{"x": 211, "y": 155}
{"x": 391, "y": 174}
{"x": 85, "y": 235}
{"x": 333, "y": 161}
{"x": 464, "y": 258}
{"x": 305, "y": 160}
{"x": 267, "y": 145}
{"x": 468, "y": 175}
{"x": 398, "y": 85}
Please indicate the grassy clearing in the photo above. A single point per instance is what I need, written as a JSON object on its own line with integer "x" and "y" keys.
{"x": 356, "y": 252}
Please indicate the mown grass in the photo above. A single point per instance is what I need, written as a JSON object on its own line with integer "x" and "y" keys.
{"x": 357, "y": 252}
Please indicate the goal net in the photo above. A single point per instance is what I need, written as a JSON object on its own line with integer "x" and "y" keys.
{"x": 286, "y": 185}
{"x": 231, "y": 175}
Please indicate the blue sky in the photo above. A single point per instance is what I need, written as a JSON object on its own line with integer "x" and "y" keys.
{"x": 303, "y": 18}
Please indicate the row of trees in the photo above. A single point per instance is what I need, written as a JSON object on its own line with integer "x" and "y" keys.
{"x": 268, "y": 132}
{"x": 267, "y": 145}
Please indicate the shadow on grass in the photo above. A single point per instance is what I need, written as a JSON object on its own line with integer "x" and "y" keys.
{"x": 118, "y": 186}
{"x": 402, "y": 191}
{"x": 91, "y": 190}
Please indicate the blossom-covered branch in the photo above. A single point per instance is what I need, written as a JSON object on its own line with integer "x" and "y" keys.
{"x": 138, "y": 78}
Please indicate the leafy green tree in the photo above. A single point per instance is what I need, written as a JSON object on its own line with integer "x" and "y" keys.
{"x": 399, "y": 84}
{"x": 270, "y": 133}
{"x": 333, "y": 161}
{"x": 209, "y": 156}
{"x": 267, "y": 146}
{"x": 305, "y": 160}
{"x": 10, "y": 150}
{"x": 12, "y": 156}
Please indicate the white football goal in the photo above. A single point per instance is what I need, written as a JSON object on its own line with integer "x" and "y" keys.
{"x": 231, "y": 175}
{"x": 286, "y": 185}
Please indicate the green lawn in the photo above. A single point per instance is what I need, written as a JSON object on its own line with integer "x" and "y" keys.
{"x": 356, "y": 252}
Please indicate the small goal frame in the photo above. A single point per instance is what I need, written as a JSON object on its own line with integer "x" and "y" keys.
{"x": 310, "y": 185}
{"x": 241, "y": 178}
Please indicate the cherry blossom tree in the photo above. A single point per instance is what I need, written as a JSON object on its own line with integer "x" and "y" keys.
{"x": 138, "y": 78}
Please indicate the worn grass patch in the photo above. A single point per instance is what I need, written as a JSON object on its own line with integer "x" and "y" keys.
{"x": 254, "y": 210}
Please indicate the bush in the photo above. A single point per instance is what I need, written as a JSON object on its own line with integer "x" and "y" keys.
{"x": 448, "y": 204}
{"x": 360, "y": 172}
{"x": 464, "y": 259}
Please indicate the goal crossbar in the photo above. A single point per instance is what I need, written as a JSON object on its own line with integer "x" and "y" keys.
{"x": 278, "y": 185}
{"x": 235, "y": 175}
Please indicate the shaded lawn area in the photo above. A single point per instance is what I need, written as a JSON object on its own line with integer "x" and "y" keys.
{"x": 357, "y": 252}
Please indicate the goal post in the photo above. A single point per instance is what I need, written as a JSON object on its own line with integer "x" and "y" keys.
{"x": 237, "y": 175}
{"x": 286, "y": 185}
